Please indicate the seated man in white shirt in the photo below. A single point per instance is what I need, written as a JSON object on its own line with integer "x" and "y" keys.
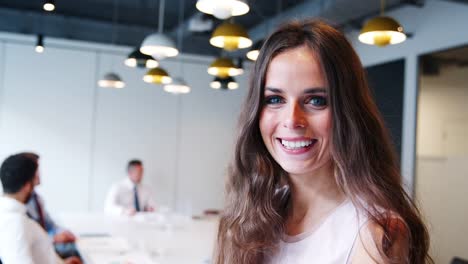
{"x": 130, "y": 195}
{"x": 22, "y": 240}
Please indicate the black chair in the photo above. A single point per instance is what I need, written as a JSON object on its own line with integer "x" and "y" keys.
{"x": 459, "y": 261}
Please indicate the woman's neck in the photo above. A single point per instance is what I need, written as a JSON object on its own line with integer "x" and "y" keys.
{"x": 313, "y": 197}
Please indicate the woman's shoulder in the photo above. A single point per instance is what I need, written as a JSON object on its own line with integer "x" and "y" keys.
{"x": 383, "y": 234}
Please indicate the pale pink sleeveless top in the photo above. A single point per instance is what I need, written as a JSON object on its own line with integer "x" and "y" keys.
{"x": 330, "y": 243}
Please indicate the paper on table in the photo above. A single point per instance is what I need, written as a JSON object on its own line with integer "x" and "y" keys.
{"x": 107, "y": 245}
{"x": 129, "y": 258}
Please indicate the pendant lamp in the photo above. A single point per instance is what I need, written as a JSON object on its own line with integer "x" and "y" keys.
{"x": 382, "y": 30}
{"x": 140, "y": 60}
{"x": 178, "y": 84}
{"x": 252, "y": 54}
{"x": 227, "y": 83}
{"x": 224, "y": 67}
{"x": 230, "y": 36}
{"x": 223, "y": 9}
{"x": 39, "y": 44}
{"x": 49, "y": 5}
{"x": 112, "y": 79}
{"x": 157, "y": 76}
{"x": 157, "y": 44}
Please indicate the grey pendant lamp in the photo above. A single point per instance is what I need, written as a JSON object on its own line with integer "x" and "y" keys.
{"x": 178, "y": 84}
{"x": 157, "y": 44}
{"x": 112, "y": 79}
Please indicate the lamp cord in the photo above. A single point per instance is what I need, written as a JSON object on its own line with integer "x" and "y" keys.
{"x": 181, "y": 25}
{"x": 114, "y": 20}
{"x": 382, "y": 5}
{"x": 161, "y": 16}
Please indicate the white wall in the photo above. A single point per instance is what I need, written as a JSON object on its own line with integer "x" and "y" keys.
{"x": 440, "y": 182}
{"x": 50, "y": 104}
{"x": 442, "y": 155}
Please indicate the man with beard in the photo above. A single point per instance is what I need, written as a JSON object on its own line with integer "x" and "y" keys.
{"x": 22, "y": 240}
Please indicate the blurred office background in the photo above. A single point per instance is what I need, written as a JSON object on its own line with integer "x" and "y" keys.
{"x": 50, "y": 102}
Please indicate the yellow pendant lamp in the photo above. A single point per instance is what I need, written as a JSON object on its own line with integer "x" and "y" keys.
{"x": 224, "y": 67}
{"x": 157, "y": 76}
{"x": 382, "y": 30}
{"x": 230, "y": 36}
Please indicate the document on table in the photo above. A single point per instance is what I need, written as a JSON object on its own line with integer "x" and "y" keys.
{"x": 111, "y": 250}
{"x": 128, "y": 258}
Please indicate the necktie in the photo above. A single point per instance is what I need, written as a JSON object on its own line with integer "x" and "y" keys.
{"x": 137, "y": 202}
{"x": 40, "y": 213}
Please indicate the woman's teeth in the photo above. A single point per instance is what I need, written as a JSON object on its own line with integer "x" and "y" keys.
{"x": 296, "y": 144}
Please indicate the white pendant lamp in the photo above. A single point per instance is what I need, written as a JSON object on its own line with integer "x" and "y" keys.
{"x": 49, "y": 5}
{"x": 157, "y": 44}
{"x": 223, "y": 9}
{"x": 178, "y": 84}
{"x": 382, "y": 30}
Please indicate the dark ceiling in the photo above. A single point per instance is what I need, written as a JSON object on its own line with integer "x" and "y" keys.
{"x": 96, "y": 20}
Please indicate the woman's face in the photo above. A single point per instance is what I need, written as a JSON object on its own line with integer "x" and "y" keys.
{"x": 295, "y": 121}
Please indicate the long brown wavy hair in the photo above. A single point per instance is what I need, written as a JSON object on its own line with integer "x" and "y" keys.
{"x": 366, "y": 168}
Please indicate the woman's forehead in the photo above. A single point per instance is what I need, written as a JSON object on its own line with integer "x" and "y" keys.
{"x": 296, "y": 68}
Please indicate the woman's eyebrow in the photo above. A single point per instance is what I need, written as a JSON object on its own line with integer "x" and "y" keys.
{"x": 315, "y": 90}
{"x": 307, "y": 91}
{"x": 274, "y": 90}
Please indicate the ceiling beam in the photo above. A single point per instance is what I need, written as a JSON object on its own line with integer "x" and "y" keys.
{"x": 313, "y": 8}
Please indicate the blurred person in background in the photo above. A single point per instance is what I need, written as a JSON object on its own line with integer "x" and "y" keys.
{"x": 129, "y": 195}
{"x": 64, "y": 240}
{"x": 22, "y": 240}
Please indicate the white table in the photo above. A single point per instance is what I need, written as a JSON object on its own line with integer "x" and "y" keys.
{"x": 156, "y": 238}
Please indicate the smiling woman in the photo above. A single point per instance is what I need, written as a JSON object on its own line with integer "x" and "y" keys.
{"x": 314, "y": 177}
{"x": 295, "y": 121}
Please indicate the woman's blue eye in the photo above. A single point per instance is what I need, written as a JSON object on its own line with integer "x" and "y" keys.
{"x": 318, "y": 101}
{"x": 273, "y": 100}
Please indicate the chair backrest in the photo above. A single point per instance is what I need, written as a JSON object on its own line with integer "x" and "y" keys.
{"x": 459, "y": 261}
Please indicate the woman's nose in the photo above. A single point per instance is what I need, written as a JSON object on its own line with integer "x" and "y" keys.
{"x": 294, "y": 117}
